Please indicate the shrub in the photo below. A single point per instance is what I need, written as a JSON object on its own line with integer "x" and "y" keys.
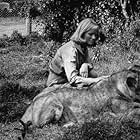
{"x": 33, "y": 38}
{"x": 4, "y": 43}
{"x": 16, "y": 38}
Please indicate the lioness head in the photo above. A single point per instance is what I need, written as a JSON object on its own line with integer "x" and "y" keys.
{"x": 126, "y": 82}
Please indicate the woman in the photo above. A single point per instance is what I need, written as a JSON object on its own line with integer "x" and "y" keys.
{"x": 71, "y": 63}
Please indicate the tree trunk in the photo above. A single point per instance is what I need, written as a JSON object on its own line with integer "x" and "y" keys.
{"x": 123, "y": 5}
{"x": 28, "y": 24}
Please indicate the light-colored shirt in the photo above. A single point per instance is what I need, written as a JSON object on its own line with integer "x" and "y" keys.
{"x": 67, "y": 62}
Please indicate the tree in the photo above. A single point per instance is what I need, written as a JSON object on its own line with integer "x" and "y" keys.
{"x": 124, "y": 3}
{"x": 27, "y": 9}
{"x": 129, "y": 8}
{"x": 61, "y": 17}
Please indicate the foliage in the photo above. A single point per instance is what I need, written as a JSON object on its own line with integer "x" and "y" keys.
{"x": 24, "y": 70}
{"x": 62, "y": 17}
{"x": 25, "y": 59}
{"x": 4, "y": 41}
{"x": 32, "y": 38}
{"x": 16, "y": 37}
{"x": 119, "y": 50}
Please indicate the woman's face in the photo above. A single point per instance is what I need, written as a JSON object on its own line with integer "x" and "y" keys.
{"x": 91, "y": 36}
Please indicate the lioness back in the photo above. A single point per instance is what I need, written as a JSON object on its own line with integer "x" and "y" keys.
{"x": 86, "y": 100}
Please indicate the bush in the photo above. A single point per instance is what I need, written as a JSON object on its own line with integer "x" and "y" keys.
{"x": 16, "y": 38}
{"x": 33, "y": 38}
{"x": 4, "y": 43}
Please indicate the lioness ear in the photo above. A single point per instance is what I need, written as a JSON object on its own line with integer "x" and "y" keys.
{"x": 135, "y": 68}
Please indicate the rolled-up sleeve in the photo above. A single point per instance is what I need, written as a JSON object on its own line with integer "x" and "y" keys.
{"x": 69, "y": 60}
{"x": 88, "y": 60}
{"x": 70, "y": 66}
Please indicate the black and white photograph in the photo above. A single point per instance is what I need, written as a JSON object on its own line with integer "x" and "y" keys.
{"x": 69, "y": 69}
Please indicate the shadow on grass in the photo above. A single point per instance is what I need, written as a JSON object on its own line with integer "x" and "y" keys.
{"x": 102, "y": 129}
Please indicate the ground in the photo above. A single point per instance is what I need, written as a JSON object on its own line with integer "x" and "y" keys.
{"x": 23, "y": 74}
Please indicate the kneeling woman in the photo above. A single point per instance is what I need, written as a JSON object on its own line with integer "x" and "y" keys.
{"x": 71, "y": 64}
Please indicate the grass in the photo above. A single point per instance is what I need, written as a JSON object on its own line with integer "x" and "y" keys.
{"x": 104, "y": 128}
{"x": 23, "y": 74}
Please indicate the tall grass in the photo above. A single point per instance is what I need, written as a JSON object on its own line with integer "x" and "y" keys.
{"x": 24, "y": 70}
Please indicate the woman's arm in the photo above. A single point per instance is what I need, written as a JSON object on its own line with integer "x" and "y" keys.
{"x": 69, "y": 59}
{"x": 87, "y": 66}
{"x": 88, "y": 81}
{"x": 84, "y": 70}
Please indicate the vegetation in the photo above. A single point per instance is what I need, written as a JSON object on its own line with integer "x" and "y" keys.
{"x": 24, "y": 63}
{"x": 61, "y": 17}
{"x": 24, "y": 70}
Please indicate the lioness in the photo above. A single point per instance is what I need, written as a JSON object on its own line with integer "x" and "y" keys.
{"x": 116, "y": 92}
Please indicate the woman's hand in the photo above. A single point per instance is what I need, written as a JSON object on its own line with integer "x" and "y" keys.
{"x": 81, "y": 81}
{"x": 101, "y": 78}
{"x": 84, "y": 70}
